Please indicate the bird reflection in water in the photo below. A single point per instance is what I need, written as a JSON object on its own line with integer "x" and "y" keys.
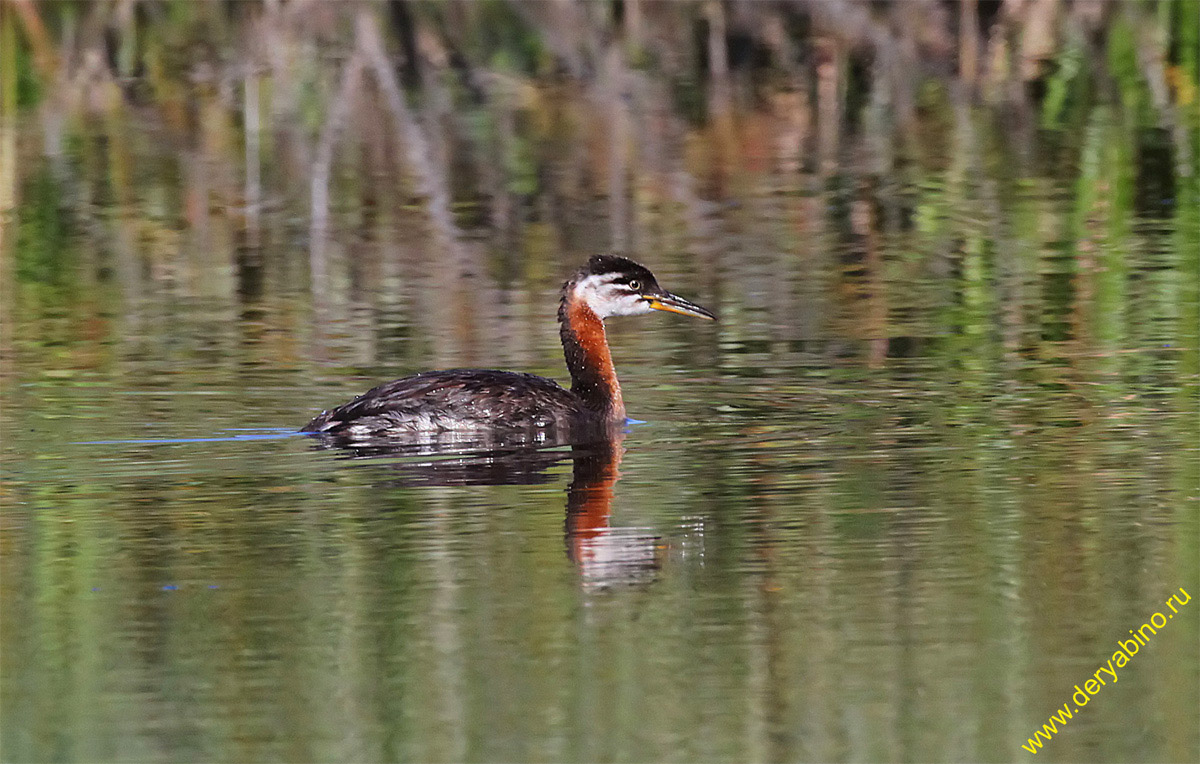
{"x": 607, "y": 556}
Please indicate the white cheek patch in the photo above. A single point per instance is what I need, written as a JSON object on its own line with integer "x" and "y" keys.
{"x": 631, "y": 306}
{"x": 606, "y": 299}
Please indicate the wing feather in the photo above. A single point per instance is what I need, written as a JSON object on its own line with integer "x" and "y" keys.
{"x": 456, "y": 399}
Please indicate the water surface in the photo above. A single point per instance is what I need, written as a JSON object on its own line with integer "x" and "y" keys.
{"x": 937, "y": 457}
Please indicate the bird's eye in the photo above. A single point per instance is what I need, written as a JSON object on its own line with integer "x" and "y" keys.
{"x": 635, "y": 285}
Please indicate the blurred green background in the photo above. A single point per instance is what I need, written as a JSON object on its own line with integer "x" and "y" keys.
{"x": 940, "y": 453}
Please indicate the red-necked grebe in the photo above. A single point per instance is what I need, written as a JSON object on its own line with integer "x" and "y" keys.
{"x": 475, "y": 400}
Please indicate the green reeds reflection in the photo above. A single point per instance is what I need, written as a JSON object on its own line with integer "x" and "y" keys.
{"x": 940, "y": 445}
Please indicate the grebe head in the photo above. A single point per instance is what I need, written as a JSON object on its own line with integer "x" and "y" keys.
{"x": 617, "y": 286}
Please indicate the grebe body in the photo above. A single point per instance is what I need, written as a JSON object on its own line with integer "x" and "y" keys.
{"x": 487, "y": 400}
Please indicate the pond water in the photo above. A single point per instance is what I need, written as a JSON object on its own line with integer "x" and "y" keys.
{"x": 936, "y": 458}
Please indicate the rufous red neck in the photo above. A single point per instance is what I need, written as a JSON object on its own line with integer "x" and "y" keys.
{"x": 585, "y": 346}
